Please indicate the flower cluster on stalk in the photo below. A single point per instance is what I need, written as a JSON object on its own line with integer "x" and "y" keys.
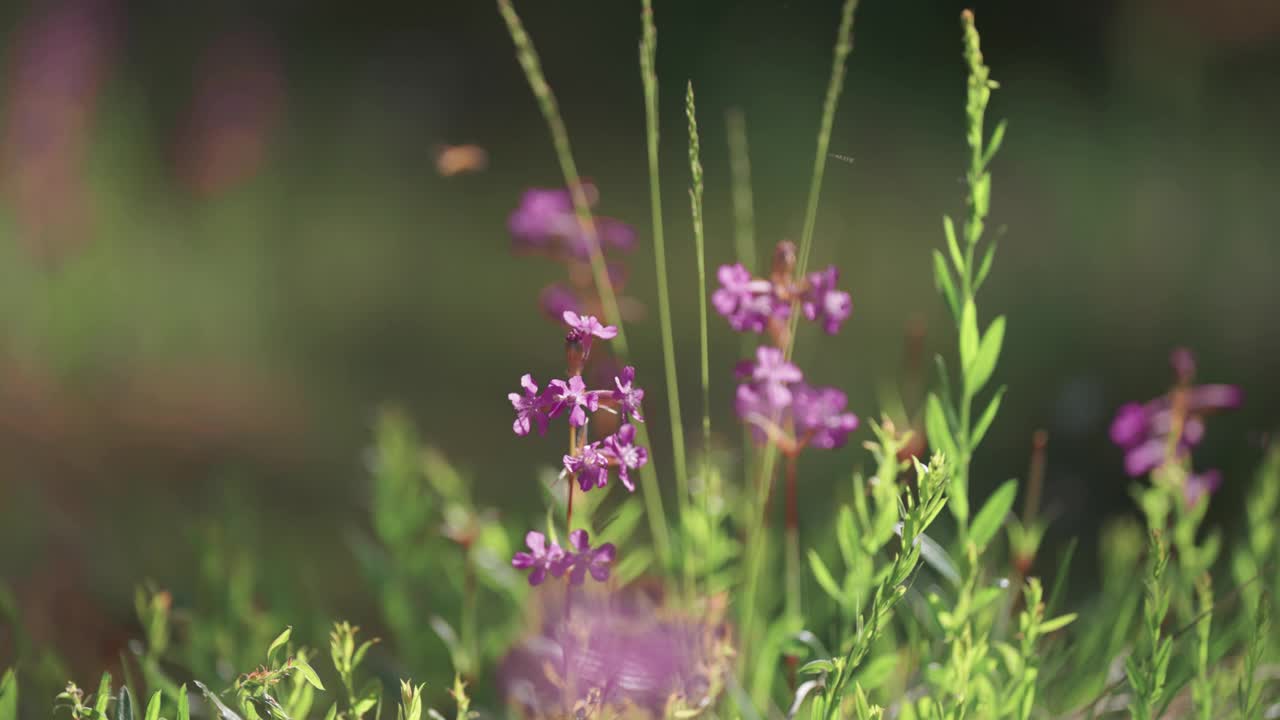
{"x": 757, "y": 305}
{"x": 773, "y": 398}
{"x": 1167, "y": 428}
{"x": 546, "y": 224}
{"x": 588, "y": 463}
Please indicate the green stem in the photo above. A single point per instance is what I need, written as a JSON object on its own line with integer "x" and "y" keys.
{"x": 649, "y": 78}
{"x": 527, "y": 55}
{"x": 700, "y": 244}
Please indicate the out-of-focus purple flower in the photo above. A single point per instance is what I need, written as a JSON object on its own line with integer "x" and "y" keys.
{"x": 591, "y": 466}
{"x": 531, "y": 407}
{"x": 575, "y": 396}
{"x": 545, "y": 220}
{"x": 629, "y": 455}
{"x": 746, "y": 302}
{"x": 618, "y": 648}
{"x": 614, "y": 234}
{"x": 556, "y": 300}
{"x": 584, "y": 559}
{"x": 1201, "y": 484}
{"x": 771, "y": 373}
{"x": 1143, "y": 430}
{"x": 819, "y": 414}
{"x": 540, "y": 559}
{"x": 754, "y": 409}
{"x": 543, "y": 215}
{"x": 627, "y": 396}
{"x": 239, "y": 98}
{"x": 825, "y": 303}
{"x": 61, "y": 54}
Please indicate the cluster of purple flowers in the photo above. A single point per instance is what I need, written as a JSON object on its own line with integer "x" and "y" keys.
{"x": 1145, "y": 431}
{"x": 752, "y": 304}
{"x": 546, "y": 224}
{"x": 543, "y": 559}
{"x": 587, "y": 462}
{"x": 774, "y": 396}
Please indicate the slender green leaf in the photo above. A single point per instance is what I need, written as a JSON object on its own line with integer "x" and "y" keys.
{"x": 153, "y": 707}
{"x": 984, "y": 267}
{"x": 816, "y": 666}
{"x": 281, "y": 640}
{"x": 987, "y": 417}
{"x": 124, "y": 705}
{"x": 991, "y": 517}
{"x": 824, "y": 578}
{"x": 184, "y": 704}
{"x": 1057, "y": 623}
{"x": 993, "y": 145}
{"x": 968, "y": 334}
{"x": 953, "y": 247}
{"x": 224, "y": 712}
{"x": 984, "y": 362}
{"x": 9, "y": 696}
{"x": 936, "y": 427}
{"x": 103, "y": 698}
{"x": 309, "y": 674}
{"x": 942, "y": 281}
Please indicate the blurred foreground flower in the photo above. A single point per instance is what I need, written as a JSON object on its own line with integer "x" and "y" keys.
{"x": 616, "y": 654}
{"x": 61, "y": 55}
{"x": 239, "y": 98}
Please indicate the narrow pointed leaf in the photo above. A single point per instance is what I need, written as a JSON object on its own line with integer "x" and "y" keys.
{"x": 224, "y": 712}
{"x": 987, "y": 417}
{"x": 968, "y": 334}
{"x": 935, "y": 426}
{"x": 991, "y": 517}
{"x": 153, "y": 707}
{"x": 281, "y": 640}
{"x": 124, "y": 705}
{"x": 184, "y": 704}
{"x": 103, "y": 698}
{"x": 9, "y": 696}
{"x": 309, "y": 674}
{"x": 942, "y": 281}
{"x": 979, "y": 371}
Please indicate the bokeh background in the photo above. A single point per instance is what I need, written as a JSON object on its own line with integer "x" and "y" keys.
{"x": 225, "y": 243}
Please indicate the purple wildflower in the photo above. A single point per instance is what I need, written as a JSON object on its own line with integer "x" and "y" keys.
{"x": 583, "y": 559}
{"x": 755, "y": 410}
{"x": 819, "y": 413}
{"x": 615, "y": 234}
{"x": 1143, "y": 429}
{"x": 572, "y": 394}
{"x": 557, "y": 299}
{"x": 1199, "y": 485}
{"x": 591, "y": 466}
{"x": 543, "y": 215}
{"x": 541, "y": 559}
{"x": 824, "y": 302}
{"x": 587, "y": 326}
{"x": 629, "y": 455}
{"x": 530, "y": 408}
{"x": 627, "y": 396}
{"x": 772, "y": 374}
{"x": 746, "y": 302}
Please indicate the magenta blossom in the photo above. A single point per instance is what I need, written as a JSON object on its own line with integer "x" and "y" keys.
{"x": 1200, "y": 485}
{"x": 541, "y": 559}
{"x": 1143, "y": 429}
{"x": 585, "y": 560}
{"x": 824, "y": 303}
{"x": 819, "y": 415}
{"x": 556, "y": 300}
{"x": 574, "y": 395}
{"x": 628, "y": 455}
{"x": 627, "y": 396}
{"x": 543, "y": 215}
{"x": 591, "y": 466}
{"x": 531, "y": 408}
{"x": 587, "y": 326}
{"x": 771, "y": 373}
{"x": 746, "y": 302}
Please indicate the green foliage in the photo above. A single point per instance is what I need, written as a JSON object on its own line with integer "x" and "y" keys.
{"x": 1148, "y": 667}
{"x": 9, "y": 696}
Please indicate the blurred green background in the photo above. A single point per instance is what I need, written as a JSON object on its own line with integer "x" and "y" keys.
{"x": 224, "y": 244}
